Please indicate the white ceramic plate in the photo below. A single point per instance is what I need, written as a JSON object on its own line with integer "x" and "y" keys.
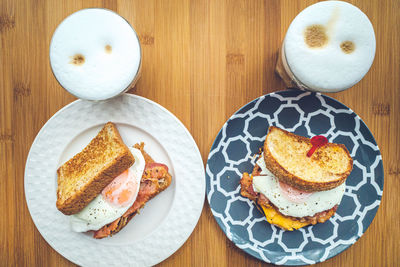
{"x": 165, "y": 222}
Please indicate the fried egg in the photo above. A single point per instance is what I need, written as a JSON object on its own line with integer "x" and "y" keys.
{"x": 115, "y": 199}
{"x": 293, "y": 202}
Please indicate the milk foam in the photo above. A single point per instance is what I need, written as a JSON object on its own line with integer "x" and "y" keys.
{"x": 334, "y": 66}
{"x": 110, "y": 48}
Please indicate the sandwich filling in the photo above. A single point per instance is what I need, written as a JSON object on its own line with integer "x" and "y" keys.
{"x": 154, "y": 180}
{"x": 291, "y": 201}
{"x": 115, "y": 199}
{"x": 285, "y": 206}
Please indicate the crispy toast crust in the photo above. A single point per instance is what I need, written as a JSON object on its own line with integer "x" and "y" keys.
{"x": 84, "y": 176}
{"x": 301, "y": 182}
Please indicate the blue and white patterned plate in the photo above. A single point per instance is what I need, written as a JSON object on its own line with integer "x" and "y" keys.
{"x": 306, "y": 114}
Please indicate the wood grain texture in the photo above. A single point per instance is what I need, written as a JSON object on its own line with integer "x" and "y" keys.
{"x": 202, "y": 60}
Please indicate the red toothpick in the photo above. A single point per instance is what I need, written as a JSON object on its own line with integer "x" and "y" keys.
{"x": 316, "y": 142}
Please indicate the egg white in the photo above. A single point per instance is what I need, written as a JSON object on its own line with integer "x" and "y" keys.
{"x": 320, "y": 201}
{"x": 99, "y": 212}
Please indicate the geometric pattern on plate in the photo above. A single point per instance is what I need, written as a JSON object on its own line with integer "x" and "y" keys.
{"x": 307, "y": 114}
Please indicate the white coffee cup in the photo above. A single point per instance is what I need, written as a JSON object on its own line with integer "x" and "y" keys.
{"x": 95, "y": 54}
{"x": 329, "y": 47}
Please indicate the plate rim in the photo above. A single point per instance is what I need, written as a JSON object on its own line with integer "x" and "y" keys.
{"x": 290, "y": 90}
{"x": 197, "y": 210}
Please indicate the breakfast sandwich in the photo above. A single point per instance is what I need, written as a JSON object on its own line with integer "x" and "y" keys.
{"x": 297, "y": 181}
{"x": 105, "y": 185}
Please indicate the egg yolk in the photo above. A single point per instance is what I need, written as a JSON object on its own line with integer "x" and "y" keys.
{"x": 121, "y": 190}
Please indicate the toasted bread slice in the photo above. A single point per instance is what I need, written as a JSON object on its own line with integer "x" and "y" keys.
{"x": 155, "y": 179}
{"x": 285, "y": 155}
{"x": 84, "y": 176}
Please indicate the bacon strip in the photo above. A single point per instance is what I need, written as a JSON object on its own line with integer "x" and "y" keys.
{"x": 106, "y": 231}
{"x": 154, "y": 176}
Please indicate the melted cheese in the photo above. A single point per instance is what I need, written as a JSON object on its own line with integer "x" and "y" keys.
{"x": 274, "y": 217}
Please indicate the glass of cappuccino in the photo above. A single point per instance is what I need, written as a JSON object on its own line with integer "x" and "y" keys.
{"x": 328, "y": 47}
{"x": 95, "y": 54}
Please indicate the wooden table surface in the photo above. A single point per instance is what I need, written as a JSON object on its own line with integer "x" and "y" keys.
{"x": 202, "y": 60}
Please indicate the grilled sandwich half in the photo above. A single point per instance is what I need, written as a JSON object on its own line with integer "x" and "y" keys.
{"x": 292, "y": 189}
{"x": 84, "y": 176}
